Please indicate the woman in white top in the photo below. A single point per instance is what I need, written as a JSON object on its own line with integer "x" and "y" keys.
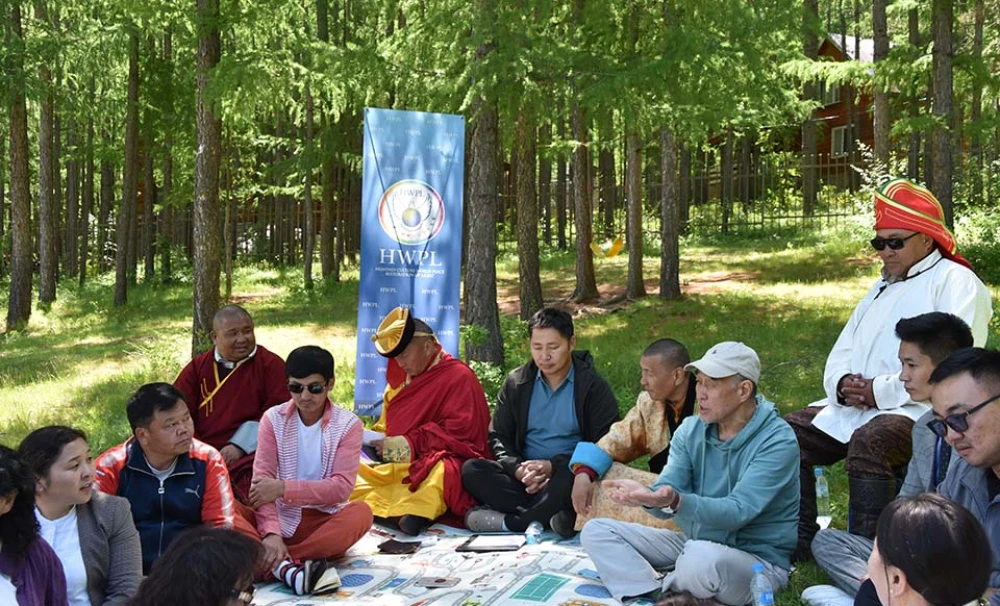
{"x": 91, "y": 532}
{"x": 929, "y": 552}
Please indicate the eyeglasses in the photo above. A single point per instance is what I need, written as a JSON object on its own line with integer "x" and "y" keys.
{"x": 959, "y": 422}
{"x": 314, "y": 388}
{"x": 244, "y": 595}
{"x": 879, "y": 243}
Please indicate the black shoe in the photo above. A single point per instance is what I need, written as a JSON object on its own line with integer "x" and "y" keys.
{"x": 413, "y": 525}
{"x": 562, "y": 523}
{"x": 803, "y": 552}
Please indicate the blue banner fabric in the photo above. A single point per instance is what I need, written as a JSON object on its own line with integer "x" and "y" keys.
{"x": 411, "y": 232}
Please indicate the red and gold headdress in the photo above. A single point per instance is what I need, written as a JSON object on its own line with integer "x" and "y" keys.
{"x": 902, "y": 204}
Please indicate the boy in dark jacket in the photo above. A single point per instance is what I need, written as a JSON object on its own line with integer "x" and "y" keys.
{"x": 544, "y": 408}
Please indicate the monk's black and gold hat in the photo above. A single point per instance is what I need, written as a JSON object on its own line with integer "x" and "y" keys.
{"x": 397, "y": 330}
{"x": 394, "y": 333}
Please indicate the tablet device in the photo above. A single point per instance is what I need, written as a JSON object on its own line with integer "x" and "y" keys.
{"x": 492, "y": 542}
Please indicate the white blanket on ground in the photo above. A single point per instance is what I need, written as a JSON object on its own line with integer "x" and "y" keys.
{"x": 553, "y": 572}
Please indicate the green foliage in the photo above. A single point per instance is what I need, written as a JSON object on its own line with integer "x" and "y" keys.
{"x": 787, "y": 293}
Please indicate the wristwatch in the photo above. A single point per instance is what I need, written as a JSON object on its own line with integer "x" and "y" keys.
{"x": 672, "y": 508}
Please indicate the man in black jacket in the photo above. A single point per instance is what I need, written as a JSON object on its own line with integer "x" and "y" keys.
{"x": 544, "y": 408}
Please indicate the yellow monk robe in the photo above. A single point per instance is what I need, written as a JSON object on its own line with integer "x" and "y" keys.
{"x": 433, "y": 423}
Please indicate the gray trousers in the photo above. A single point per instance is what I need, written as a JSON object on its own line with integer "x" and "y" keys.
{"x": 842, "y": 556}
{"x": 630, "y": 558}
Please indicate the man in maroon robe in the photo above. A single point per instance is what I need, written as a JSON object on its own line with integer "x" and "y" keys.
{"x": 228, "y": 388}
{"x": 434, "y": 418}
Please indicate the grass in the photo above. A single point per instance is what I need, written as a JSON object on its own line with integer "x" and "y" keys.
{"x": 787, "y": 295}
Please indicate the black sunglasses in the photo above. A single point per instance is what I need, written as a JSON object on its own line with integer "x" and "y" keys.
{"x": 314, "y": 388}
{"x": 959, "y": 421}
{"x": 879, "y": 243}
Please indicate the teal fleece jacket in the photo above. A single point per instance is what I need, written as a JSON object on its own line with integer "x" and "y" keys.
{"x": 743, "y": 493}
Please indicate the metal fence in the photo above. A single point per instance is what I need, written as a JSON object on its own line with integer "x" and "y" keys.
{"x": 762, "y": 194}
{"x": 762, "y": 191}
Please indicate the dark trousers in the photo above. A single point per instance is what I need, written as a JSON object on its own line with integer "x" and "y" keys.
{"x": 874, "y": 451}
{"x": 489, "y": 484}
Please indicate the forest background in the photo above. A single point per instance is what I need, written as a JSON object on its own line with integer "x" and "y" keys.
{"x": 162, "y": 157}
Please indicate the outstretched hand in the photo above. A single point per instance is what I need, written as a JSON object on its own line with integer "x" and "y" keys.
{"x": 635, "y": 494}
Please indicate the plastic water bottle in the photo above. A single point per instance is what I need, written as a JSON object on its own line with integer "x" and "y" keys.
{"x": 533, "y": 534}
{"x": 822, "y": 499}
{"x": 760, "y": 587}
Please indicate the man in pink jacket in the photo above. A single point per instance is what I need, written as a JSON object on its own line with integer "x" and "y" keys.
{"x": 308, "y": 452}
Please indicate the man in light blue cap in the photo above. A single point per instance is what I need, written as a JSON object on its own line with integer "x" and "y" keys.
{"x": 731, "y": 484}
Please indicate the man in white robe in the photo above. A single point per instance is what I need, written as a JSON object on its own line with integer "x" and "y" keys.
{"x": 867, "y": 416}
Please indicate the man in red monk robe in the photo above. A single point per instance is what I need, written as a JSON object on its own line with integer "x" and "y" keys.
{"x": 434, "y": 418}
{"x": 228, "y": 388}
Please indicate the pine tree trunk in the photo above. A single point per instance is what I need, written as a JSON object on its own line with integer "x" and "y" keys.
{"x": 104, "y": 210}
{"x": 228, "y": 226}
{"x": 87, "y": 192}
{"x": 883, "y": 120}
{"x": 58, "y": 228}
{"x": 480, "y": 266}
{"x": 636, "y": 286}
{"x": 70, "y": 250}
{"x": 340, "y": 221}
{"x": 484, "y": 182}
{"x": 976, "y": 155}
{"x": 684, "y": 191}
{"x": 586, "y": 283}
{"x": 561, "y": 188}
{"x": 327, "y": 217}
{"x": 527, "y": 214}
{"x": 913, "y": 101}
{"x": 166, "y": 239}
{"x": 545, "y": 180}
{"x": 148, "y": 203}
{"x": 148, "y": 183}
{"x": 670, "y": 281}
{"x": 726, "y": 179}
{"x": 942, "y": 13}
{"x": 810, "y": 49}
{"x": 3, "y": 207}
{"x": 310, "y": 216}
{"x": 19, "y": 297}
{"x": 47, "y": 210}
{"x": 606, "y": 166}
{"x": 130, "y": 180}
{"x": 206, "y": 193}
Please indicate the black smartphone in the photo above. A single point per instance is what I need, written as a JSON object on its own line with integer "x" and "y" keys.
{"x": 394, "y": 547}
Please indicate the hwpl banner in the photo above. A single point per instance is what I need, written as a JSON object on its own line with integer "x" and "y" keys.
{"x": 411, "y": 232}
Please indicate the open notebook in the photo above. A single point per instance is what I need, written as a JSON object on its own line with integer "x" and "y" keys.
{"x": 328, "y": 583}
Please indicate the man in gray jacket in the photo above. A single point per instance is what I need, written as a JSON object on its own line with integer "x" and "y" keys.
{"x": 731, "y": 484}
{"x": 925, "y": 341}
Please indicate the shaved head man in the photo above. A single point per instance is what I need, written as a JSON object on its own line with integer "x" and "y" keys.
{"x": 229, "y": 387}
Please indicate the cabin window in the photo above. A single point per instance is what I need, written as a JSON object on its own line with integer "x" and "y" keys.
{"x": 838, "y": 141}
{"x": 829, "y": 94}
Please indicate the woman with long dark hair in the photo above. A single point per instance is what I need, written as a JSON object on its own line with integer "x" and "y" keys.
{"x": 30, "y": 572}
{"x": 929, "y": 552}
{"x": 203, "y": 567}
{"x": 91, "y": 532}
